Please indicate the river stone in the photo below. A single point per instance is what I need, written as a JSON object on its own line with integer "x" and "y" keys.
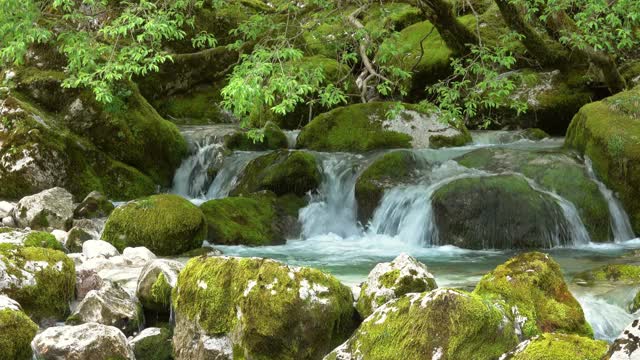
{"x": 558, "y": 347}
{"x": 86, "y": 281}
{"x": 155, "y": 283}
{"x": 91, "y": 341}
{"x": 110, "y": 305}
{"x": 17, "y": 331}
{"x": 98, "y": 248}
{"x": 51, "y": 208}
{"x": 391, "y": 280}
{"x": 627, "y": 345}
{"x": 6, "y": 208}
{"x": 94, "y": 205}
{"x": 440, "y": 324}
{"x": 9, "y": 221}
{"x": 497, "y": 212}
{"x": 152, "y": 344}
{"x": 138, "y": 255}
{"x": 534, "y": 293}
{"x": 228, "y": 307}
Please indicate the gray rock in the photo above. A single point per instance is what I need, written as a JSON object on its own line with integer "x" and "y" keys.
{"x": 6, "y": 208}
{"x": 138, "y": 255}
{"x": 95, "y": 205}
{"x": 152, "y": 344}
{"x": 49, "y": 209}
{"x": 76, "y": 238}
{"x": 8, "y": 221}
{"x": 158, "y": 298}
{"x": 98, "y": 248}
{"x": 87, "y": 280}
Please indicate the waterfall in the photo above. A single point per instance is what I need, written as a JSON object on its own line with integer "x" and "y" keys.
{"x": 620, "y": 224}
{"x": 229, "y": 173}
{"x": 333, "y": 208}
{"x": 292, "y": 137}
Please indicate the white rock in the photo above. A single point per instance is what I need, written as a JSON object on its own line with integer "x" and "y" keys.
{"x": 60, "y": 235}
{"x": 51, "y": 208}
{"x": 83, "y": 342}
{"x": 98, "y": 248}
{"x": 8, "y": 221}
{"x": 6, "y": 208}
{"x": 420, "y": 127}
{"x": 627, "y": 345}
{"x": 138, "y": 255}
{"x": 7, "y": 303}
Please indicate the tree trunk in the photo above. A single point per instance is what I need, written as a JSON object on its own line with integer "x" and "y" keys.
{"x": 453, "y": 32}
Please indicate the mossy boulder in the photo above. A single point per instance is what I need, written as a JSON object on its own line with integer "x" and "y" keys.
{"x": 607, "y": 132}
{"x": 155, "y": 283}
{"x": 635, "y": 303}
{"x": 165, "y": 224}
{"x": 388, "y": 171}
{"x": 628, "y": 274}
{"x": 391, "y": 280}
{"x": 282, "y": 172}
{"x": 558, "y": 347}
{"x": 42, "y": 239}
{"x": 17, "y": 331}
{"x": 197, "y": 106}
{"x": 255, "y": 308}
{"x": 558, "y": 171}
{"x": 41, "y": 280}
{"x": 535, "y": 293}
{"x": 94, "y": 205}
{"x": 366, "y": 127}
{"x": 273, "y": 139}
{"x": 253, "y": 220}
{"x": 152, "y": 344}
{"x": 497, "y": 212}
{"x": 52, "y": 208}
{"x": 441, "y": 324}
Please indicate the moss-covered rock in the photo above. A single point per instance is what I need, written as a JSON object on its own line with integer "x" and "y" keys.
{"x": 557, "y": 171}
{"x": 94, "y": 205}
{"x": 282, "y": 172}
{"x": 250, "y": 308}
{"x": 165, "y": 224}
{"x": 441, "y": 324}
{"x": 42, "y": 239}
{"x": 391, "y": 280}
{"x": 273, "y": 139}
{"x": 535, "y": 293}
{"x": 17, "y": 331}
{"x": 254, "y": 220}
{"x": 558, "y": 347}
{"x": 41, "y": 280}
{"x": 614, "y": 273}
{"x": 497, "y": 212}
{"x": 153, "y": 344}
{"x": 388, "y": 171}
{"x": 198, "y": 106}
{"x": 155, "y": 283}
{"x": 607, "y": 132}
{"x": 635, "y": 303}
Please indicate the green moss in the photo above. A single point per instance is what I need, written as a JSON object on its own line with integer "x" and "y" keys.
{"x": 16, "y": 333}
{"x": 354, "y": 128}
{"x": 273, "y": 139}
{"x": 623, "y": 273}
{"x": 534, "y": 134}
{"x": 276, "y": 321}
{"x": 452, "y": 323}
{"x": 155, "y": 347}
{"x": 442, "y": 141}
{"x": 282, "y": 172}
{"x": 560, "y": 347}
{"x": 196, "y": 107}
{"x": 165, "y": 224}
{"x": 44, "y": 240}
{"x": 533, "y": 283}
{"x": 54, "y": 283}
{"x": 599, "y": 124}
{"x": 161, "y": 291}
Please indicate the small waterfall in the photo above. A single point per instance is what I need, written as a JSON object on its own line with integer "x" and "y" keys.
{"x": 606, "y": 319}
{"x": 620, "y": 224}
{"x": 333, "y": 208}
{"x": 229, "y": 173}
{"x": 292, "y": 137}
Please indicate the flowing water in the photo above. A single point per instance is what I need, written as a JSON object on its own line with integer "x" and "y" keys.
{"x": 333, "y": 240}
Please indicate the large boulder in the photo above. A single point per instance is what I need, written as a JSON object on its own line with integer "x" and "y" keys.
{"x": 253, "y": 220}
{"x": 110, "y": 305}
{"x": 165, "y": 224}
{"x": 155, "y": 283}
{"x": 533, "y": 289}
{"x": 627, "y": 345}
{"x": 282, "y": 172}
{"x": 90, "y": 341}
{"x": 607, "y": 132}
{"x": 18, "y": 331}
{"x": 152, "y": 344}
{"x": 556, "y": 170}
{"x": 51, "y": 208}
{"x": 440, "y": 324}
{"x": 558, "y": 347}
{"x": 272, "y": 139}
{"x": 391, "y": 280}
{"x": 390, "y": 170}
{"x": 497, "y": 212}
{"x": 366, "y": 127}
{"x": 41, "y": 280}
{"x": 229, "y": 308}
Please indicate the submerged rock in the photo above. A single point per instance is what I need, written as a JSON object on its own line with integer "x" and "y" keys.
{"x": 41, "y": 280}
{"x": 110, "y": 305}
{"x": 17, "y": 331}
{"x": 165, "y": 224}
{"x": 535, "y": 295}
{"x": 440, "y": 324}
{"x": 391, "y": 280}
{"x": 90, "y": 341}
{"x": 558, "y": 347}
{"x": 155, "y": 283}
{"x": 627, "y": 345}
{"x": 94, "y": 205}
{"x": 152, "y": 344}
{"x": 229, "y": 307}
{"x": 497, "y": 212}
{"x": 51, "y": 208}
